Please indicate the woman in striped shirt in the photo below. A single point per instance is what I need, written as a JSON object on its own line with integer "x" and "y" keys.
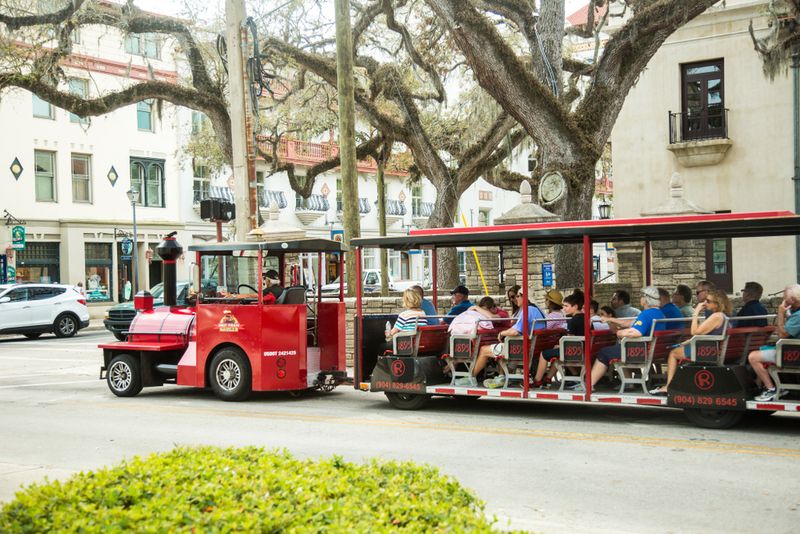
{"x": 412, "y": 317}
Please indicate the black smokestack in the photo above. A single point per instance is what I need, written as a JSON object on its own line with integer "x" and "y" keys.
{"x": 170, "y": 250}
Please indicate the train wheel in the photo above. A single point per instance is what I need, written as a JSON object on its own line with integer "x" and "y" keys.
{"x": 407, "y": 401}
{"x": 713, "y": 418}
{"x": 230, "y": 375}
{"x": 124, "y": 376}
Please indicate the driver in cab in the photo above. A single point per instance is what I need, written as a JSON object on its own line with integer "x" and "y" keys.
{"x": 272, "y": 286}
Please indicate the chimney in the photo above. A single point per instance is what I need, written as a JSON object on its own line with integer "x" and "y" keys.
{"x": 170, "y": 250}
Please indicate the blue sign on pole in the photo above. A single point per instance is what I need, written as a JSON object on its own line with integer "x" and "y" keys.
{"x": 3, "y": 265}
{"x": 547, "y": 274}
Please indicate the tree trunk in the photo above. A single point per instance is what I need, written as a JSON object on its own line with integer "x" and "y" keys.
{"x": 347, "y": 136}
{"x": 382, "y": 226}
{"x": 444, "y": 213}
{"x": 577, "y": 205}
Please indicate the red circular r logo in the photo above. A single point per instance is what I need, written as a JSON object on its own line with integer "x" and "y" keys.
{"x": 704, "y": 380}
{"x": 398, "y": 368}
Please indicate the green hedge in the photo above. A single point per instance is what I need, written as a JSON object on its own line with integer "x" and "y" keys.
{"x": 249, "y": 489}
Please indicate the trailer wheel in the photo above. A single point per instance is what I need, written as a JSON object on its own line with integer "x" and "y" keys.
{"x": 718, "y": 419}
{"x": 230, "y": 375}
{"x": 124, "y": 376}
{"x": 407, "y": 401}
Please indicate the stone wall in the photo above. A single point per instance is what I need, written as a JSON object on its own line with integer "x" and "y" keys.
{"x": 673, "y": 263}
{"x": 512, "y": 260}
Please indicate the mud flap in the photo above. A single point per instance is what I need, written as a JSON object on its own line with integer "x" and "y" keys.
{"x": 711, "y": 387}
{"x": 406, "y": 374}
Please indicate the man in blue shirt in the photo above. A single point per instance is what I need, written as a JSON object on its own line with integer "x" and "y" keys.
{"x": 492, "y": 351}
{"x": 461, "y": 302}
{"x": 671, "y": 311}
{"x": 751, "y": 296}
{"x": 650, "y": 301}
{"x": 427, "y": 306}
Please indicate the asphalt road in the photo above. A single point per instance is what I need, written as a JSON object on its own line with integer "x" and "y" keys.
{"x": 546, "y": 467}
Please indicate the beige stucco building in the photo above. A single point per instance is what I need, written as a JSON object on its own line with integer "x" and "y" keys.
{"x": 704, "y": 109}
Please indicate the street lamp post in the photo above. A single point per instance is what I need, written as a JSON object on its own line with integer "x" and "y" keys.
{"x": 133, "y": 196}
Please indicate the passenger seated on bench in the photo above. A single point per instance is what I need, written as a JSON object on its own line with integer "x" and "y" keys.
{"x": 512, "y": 300}
{"x": 719, "y": 306}
{"x": 490, "y": 351}
{"x": 682, "y": 298}
{"x": 573, "y": 307}
{"x": 624, "y": 313}
{"x": 461, "y": 303}
{"x": 600, "y": 314}
{"x": 751, "y": 297}
{"x": 641, "y": 327}
{"x": 670, "y": 310}
{"x": 788, "y": 327}
{"x": 426, "y": 305}
{"x": 554, "y": 302}
{"x": 472, "y": 319}
{"x": 410, "y": 318}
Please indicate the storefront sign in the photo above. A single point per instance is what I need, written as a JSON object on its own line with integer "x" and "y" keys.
{"x": 11, "y": 274}
{"x": 18, "y": 238}
{"x": 3, "y": 265}
{"x": 127, "y": 248}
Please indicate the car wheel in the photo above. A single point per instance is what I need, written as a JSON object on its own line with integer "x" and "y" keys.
{"x": 33, "y": 335}
{"x": 407, "y": 401}
{"x": 124, "y": 376}
{"x": 230, "y": 375}
{"x": 120, "y": 336}
{"x": 65, "y": 326}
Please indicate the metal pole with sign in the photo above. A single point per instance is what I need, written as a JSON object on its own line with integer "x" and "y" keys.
{"x": 133, "y": 196}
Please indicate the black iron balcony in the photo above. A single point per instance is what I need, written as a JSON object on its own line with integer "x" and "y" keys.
{"x": 698, "y": 126}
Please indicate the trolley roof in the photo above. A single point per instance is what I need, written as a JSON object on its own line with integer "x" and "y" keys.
{"x": 298, "y": 245}
{"x": 717, "y": 225}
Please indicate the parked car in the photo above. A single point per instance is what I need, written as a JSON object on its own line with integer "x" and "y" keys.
{"x": 118, "y": 318}
{"x": 35, "y": 309}
{"x": 371, "y": 283}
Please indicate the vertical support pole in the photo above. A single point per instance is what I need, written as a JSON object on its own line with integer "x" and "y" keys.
{"x": 525, "y": 334}
{"x": 260, "y": 276}
{"x": 357, "y": 352}
{"x": 796, "y": 145}
{"x": 319, "y": 277}
{"x": 587, "y": 313}
{"x": 341, "y": 276}
{"x": 435, "y": 279}
{"x": 648, "y": 263}
{"x": 135, "y": 254}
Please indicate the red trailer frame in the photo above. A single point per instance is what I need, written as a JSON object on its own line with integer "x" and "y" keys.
{"x": 728, "y": 225}
{"x": 236, "y": 342}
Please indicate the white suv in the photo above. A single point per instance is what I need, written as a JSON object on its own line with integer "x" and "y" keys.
{"x": 33, "y": 309}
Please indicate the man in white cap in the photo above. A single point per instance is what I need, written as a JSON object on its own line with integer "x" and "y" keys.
{"x": 642, "y": 324}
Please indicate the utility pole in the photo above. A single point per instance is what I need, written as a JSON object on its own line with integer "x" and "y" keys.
{"x": 234, "y": 18}
{"x": 347, "y": 133}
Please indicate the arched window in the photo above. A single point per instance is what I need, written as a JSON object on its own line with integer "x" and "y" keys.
{"x": 147, "y": 176}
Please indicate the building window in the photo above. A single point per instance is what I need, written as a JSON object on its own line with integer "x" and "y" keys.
{"x": 45, "y": 176}
{"x": 416, "y": 201}
{"x": 198, "y": 121}
{"x": 703, "y": 100}
{"x": 484, "y": 217}
{"x": 147, "y": 176}
{"x": 202, "y": 182}
{"x": 144, "y": 115}
{"x": 143, "y": 44}
{"x": 368, "y": 259}
{"x": 98, "y": 271}
{"x": 42, "y": 108}
{"x": 79, "y": 87}
{"x": 395, "y": 267}
{"x": 260, "y": 187}
{"x": 38, "y": 263}
{"x": 81, "y": 178}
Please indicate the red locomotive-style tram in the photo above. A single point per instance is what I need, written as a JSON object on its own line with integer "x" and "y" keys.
{"x": 233, "y": 338}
